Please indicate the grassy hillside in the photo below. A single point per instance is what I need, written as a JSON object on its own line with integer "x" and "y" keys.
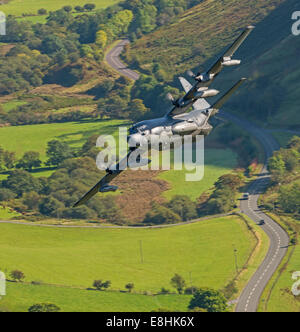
{"x": 35, "y": 137}
{"x": 19, "y": 7}
{"x": 194, "y": 41}
{"x": 20, "y": 297}
{"x": 199, "y": 33}
{"x": 76, "y": 257}
{"x": 217, "y": 163}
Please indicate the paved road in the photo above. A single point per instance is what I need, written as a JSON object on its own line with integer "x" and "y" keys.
{"x": 115, "y": 227}
{"x": 114, "y": 61}
{"x": 279, "y": 240}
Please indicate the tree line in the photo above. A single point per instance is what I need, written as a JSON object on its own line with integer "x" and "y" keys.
{"x": 284, "y": 167}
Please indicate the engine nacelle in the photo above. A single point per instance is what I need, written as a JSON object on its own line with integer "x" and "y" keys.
{"x": 184, "y": 127}
{"x": 229, "y": 63}
{"x": 207, "y": 93}
{"x": 108, "y": 188}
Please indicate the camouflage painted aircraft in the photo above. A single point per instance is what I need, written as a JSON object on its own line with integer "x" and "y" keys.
{"x": 178, "y": 121}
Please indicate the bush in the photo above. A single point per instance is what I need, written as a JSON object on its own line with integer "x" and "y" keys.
{"x": 6, "y": 194}
{"x": 191, "y": 290}
{"x": 17, "y": 275}
{"x": 164, "y": 291}
{"x": 89, "y": 6}
{"x": 129, "y": 287}
{"x": 161, "y": 215}
{"x": 209, "y": 299}
{"x": 42, "y": 11}
{"x": 99, "y": 285}
{"x": 178, "y": 282}
{"x": 44, "y": 307}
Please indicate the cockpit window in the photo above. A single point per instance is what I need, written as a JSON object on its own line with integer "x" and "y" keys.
{"x": 138, "y": 129}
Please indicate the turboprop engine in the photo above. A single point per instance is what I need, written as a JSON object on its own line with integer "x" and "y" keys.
{"x": 206, "y": 93}
{"x": 228, "y": 62}
{"x": 108, "y": 188}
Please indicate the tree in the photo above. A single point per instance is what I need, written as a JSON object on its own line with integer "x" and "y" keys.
{"x": 289, "y": 198}
{"x": 137, "y": 109}
{"x": 20, "y": 181}
{"x": 79, "y": 9}
{"x": 17, "y": 275}
{"x": 89, "y": 6}
{"x": 232, "y": 181}
{"x": 184, "y": 207}
{"x": 57, "y": 152}
{"x": 50, "y": 206}
{"x": 101, "y": 38}
{"x": 9, "y": 159}
{"x": 161, "y": 215}
{"x": 209, "y": 299}
{"x": 68, "y": 9}
{"x": 99, "y": 285}
{"x": 31, "y": 200}
{"x": 30, "y": 160}
{"x": 129, "y": 287}
{"x": 44, "y": 307}
{"x": 178, "y": 282}
{"x": 42, "y": 11}
{"x": 6, "y": 194}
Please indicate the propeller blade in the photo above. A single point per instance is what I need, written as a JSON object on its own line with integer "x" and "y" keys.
{"x": 190, "y": 74}
{"x": 170, "y": 97}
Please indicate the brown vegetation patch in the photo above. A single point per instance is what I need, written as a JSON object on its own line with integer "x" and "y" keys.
{"x": 5, "y": 48}
{"x": 139, "y": 190}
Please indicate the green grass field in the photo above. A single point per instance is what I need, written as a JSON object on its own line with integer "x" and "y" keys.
{"x": 35, "y": 137}
{"x": 20, "y": 297}
{"x": 19, "y": 7}
{"x": 76, "y": 257}
{"x": 282, "y": 299}
{"x": 6, "y": 213}
{"x": 278, "y": 296}
{"x": 217, "y": 163}
{"x": 12, "y": 104}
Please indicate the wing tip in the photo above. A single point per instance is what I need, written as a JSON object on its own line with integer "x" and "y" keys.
{"x": 250, "y": 27}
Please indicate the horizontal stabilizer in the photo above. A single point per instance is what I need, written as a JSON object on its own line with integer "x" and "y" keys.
{"x": 201, "y": 105}
{"x": 187, "y": 86}
{"x": 228, "y": 94}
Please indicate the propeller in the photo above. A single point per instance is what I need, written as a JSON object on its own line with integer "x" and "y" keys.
{"x": 190, "y": 74}
{"x": 170, "y": 97}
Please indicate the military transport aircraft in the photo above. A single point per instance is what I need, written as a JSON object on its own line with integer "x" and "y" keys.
{"x": 178, "y": 121}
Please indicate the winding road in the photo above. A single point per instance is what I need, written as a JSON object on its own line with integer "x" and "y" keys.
{"x": 113, "y": 59}
{"x": 279, "y": 240}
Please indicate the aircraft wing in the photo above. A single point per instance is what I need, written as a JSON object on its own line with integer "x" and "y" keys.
{"x": 217, "y": 67}
{"x": 219, "y": 103}
{"x": 95, "y": 190}
{"x": 112, "y": 173}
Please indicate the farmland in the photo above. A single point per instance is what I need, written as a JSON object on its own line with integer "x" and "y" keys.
{"x": 20, "y": 297}
{"x": 216, "y": 163}
{"x": 76, "y": 257}
{"x": 19, "y": 7}
{"x": 35, "y": 137}
{"x": 71, "y": 259}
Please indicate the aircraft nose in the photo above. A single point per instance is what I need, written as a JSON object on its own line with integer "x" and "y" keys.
{"x": 136, "y": 140}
